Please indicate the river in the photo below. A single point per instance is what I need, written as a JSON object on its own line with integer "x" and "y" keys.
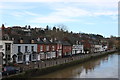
{"x": 103, "y": 67}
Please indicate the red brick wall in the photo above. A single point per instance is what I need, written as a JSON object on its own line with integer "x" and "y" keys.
{"x": 38, "y": 47}
{"x": 55, "y": 47}
{"x": 67, "y": 49}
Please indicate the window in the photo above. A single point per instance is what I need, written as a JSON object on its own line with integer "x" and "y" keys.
{"x": 32, "y": 48}
{"x": 60, "y": 46}
{"x": 19, "y": 48}
{"x": 47, "y": 48}
{"x": 1, "y": 46}
{"x": 20, "y": 57}
{"x": 7, "y": 47}
{"x": 34, "y": 56}
{"x": 41, "y": 48}
{"x": 53, "y": 48}
{"x": 9, "y": 57}
{"x": 26, "y": 48}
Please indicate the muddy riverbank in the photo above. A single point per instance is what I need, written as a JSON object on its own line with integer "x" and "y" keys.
{"x": 66, "y": 62}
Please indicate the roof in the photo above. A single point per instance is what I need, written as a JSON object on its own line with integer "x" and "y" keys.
{"x": 26, "y": 39}
{"x": 66, "y": 43}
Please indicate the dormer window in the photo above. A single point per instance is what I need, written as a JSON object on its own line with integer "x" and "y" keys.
{"x": 13, "y": 39}
{"x": 21, "y": 40}
{"x": 32, "y": 41}
{"x": 77, "y": 42}
{"x": 38, "y": 39}
{"x": 51, "y": 40}
{"x": 44, "y": 39}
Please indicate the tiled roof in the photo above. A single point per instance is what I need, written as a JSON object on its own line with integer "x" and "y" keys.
{"x": 66, "y": 43}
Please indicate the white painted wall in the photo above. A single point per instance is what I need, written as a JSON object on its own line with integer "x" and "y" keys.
{"x": 105, "y": 48}
{"x": 98, "y": 48}
{"x": 3, "y": 42}
{"x": 15, "y": 48}
{"x": 77, "y": 48}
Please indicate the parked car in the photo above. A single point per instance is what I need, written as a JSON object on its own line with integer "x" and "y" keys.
{"x": 8, "y": 70}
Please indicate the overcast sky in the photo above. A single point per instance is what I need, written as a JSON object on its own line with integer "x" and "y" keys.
{"x": 88, "y": 16}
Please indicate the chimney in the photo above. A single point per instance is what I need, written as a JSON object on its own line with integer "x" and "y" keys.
{"x": 3, "y": 27}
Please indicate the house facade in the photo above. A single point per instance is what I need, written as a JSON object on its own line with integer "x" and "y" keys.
{"x": 6, "y": 50}
{"x": 59, "y": 49}
{"x": 77, "y": 49}
{"x": 46, "y": 48}
{"x": 25, "y": 50}
{"x": 41, "y": 49}
{"x": 87, "y": 46}
{"x": 66, "y": 49}
{"x": 98, "y": 48}
{"x": 53, "y": 49}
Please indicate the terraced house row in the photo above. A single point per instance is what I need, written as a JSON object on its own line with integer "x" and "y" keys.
{"x": 26, "y": 48}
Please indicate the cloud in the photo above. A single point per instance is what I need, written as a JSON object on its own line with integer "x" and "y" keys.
{"x": 51, "y": 19}
{"x": 23, "y": 14}
{"x": 14, "y": 5}
{"x": 107, "y": 13}
{"x": 70, "y": 12}
{"x": 77, "y": 12}
{"x": 60, "y": 15}
{"x": 66, "y": 14}
{"x": 61, "y": 11}
{"x": 58, "y": 1}
{"x": 90, "y": 23}
{"x": 97, "y": 3}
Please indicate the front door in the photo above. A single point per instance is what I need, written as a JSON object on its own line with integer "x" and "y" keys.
{"x": 27, "y": 58}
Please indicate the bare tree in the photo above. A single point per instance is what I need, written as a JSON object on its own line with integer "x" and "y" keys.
{"x": 62, "y": 27}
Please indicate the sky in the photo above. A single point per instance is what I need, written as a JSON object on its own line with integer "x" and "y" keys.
{"x": 86, "y": 16}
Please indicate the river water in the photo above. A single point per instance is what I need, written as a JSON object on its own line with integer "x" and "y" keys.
{"x": 104, "y": 67}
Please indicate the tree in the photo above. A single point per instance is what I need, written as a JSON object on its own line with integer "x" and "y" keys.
{"x": 29, "y": 26}
{"x": 118, "y": 45}
{"x": 26, "y": 26}
{"x": 62, "y": 27}
{"x": 67, "y": 31}
{"x": 54, "y": 28}
{"x": 47, "y": 27}
{"x": 3, "y": 27}
{"x": 58, "y": 29}
{"x": 71, "y": 32}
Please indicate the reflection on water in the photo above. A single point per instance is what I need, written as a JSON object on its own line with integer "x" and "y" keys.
{"x": 104, "y": 67}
